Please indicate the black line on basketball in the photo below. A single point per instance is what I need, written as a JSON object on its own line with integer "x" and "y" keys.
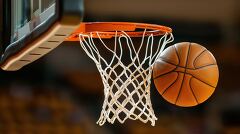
{"x": 189, "y": 46}
{"x": 165, "y": 73}
{"x": 194, "y": 61}
{"x": 192, "y": 90}
{"x": 170, "y": 85}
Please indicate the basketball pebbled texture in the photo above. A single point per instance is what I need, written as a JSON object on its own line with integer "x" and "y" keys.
{"x": 186, "y": 74}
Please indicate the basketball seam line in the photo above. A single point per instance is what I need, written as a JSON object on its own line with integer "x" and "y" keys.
{"x": 177, "y": 54}
{"x": 170, "y": 72}
{"x": 170, "y": 63}
{"x": 196, "y": 78}
{"x": 164, "y": 60}
{"x": 170, "y": 85}
{"x": 174, "y": 70}
{"x": 194, "y": 61}
{"x": 183, "y": 75}
{"x": 178, "y": 57}
{"x": 190, "y": 75}
{"x": 202, "y": 81}
{"x": 192, "y": 90}
{"x": 166, "y": 73}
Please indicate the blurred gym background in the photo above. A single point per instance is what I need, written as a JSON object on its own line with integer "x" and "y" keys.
{"x": 62, "y": 93}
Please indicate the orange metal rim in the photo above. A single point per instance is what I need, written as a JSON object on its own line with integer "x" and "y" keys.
{"x": 108, "y": 30}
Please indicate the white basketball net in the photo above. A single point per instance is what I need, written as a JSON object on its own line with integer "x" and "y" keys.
{"x": 127, "y": 92}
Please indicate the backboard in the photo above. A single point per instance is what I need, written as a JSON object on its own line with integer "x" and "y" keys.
{"x": 30, "y": 29}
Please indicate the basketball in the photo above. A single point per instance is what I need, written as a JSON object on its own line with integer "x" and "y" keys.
{"x": 186, "y": 74}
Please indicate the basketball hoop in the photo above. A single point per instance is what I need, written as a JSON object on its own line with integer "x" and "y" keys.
{"x": 126, "y": 84}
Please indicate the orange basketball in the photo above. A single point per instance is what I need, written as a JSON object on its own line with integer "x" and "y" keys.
{"x": 186, "y": 74}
